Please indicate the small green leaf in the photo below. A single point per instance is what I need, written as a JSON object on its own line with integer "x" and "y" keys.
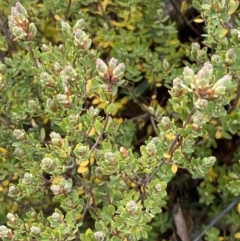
{"x": 111, "y": 209}
{"x": 111, "y": 108}
{"x": 102, "y": 96}
{"x": 206, "y": 6}
{"x": 98, "y": 126}
{"x": 99, "y": 226}
{"x": 196, "y": 5}
{"x": 222, "y": 32}
{"x": 42, "y": 134}
{"x": 233, "y": 6}
{"x": 141, "y": 88}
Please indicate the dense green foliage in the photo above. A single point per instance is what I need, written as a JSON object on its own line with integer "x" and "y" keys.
{"x": 108, "y": 119}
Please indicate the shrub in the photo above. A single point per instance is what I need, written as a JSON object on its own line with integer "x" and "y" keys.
{"x": 69, "y": 163}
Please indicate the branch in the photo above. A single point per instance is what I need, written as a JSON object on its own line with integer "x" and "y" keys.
{"x": 175, "y": 144}
{"x": 220, "y": 215}
{"x": 32, "y": 55}
{"x": 104, "y": 14}
{"x": 99, "y": 138}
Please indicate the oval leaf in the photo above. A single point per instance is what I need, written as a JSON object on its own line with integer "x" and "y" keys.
{"x": 222, "y": 32}
{"x": 111, "y": 108}
{"x": 174, "y": 168}
{"x": 198, "y": 20}
{"x": 233, "y": 6}
{"x": 82, "y": 169}
{"x": 98, "y": 126}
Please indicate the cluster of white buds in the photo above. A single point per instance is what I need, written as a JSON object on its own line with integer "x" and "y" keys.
{"x": 19, "y": 24}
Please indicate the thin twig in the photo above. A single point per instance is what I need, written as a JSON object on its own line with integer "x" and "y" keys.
{"x": 175, "y": 144}
{"x": 184, "y": 18}
{"x": 100, "y": 135}
{"x": 154, "y": 125}
{"x": 32, "y": 54}
{"x": 108, "y": 194}
{"x": 68, "y": 9}
{"x": 142, "y": 116}
{"x": 104, "y": 14}
{"x": 99, "y": 138}
{"x": 219, "y": 216}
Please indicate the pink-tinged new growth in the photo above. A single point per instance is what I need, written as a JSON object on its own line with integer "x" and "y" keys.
{"x": 56, "y": 139}
{"x": 102, "y": 68}
{"x": 118, "y": 71}
{"x": 113, "y": 63}
{"x": 19, "y": 24}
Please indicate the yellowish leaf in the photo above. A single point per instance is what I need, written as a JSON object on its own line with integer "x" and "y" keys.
{"x": 237, "y": 235}
{"x": 5, "y": 183}
{"x": 220, "y": 128}
{"x": 56, "y": 179}
{"x": 3, "y": 150}
{"x": 118, "y": 120}
{"x": 233, "y": 5}
{"x": 80, "y": 126}
{"x": 27, "y": 226}
{"x": 141, "y": 124}
{"x": 117, "y": 24}
{"x": 170, "y": 136}
{"x": 57, "y": 17}
{"x": 98, "y": 12}
{"x": 225, "y": 177}
{"x": 106, "y": 44}
{"x": 153, "y": 97}
{"x": 154, "y": 103}
{"x": 183, "y": 6}
{"x": 63, "y": 154}
{"x": 214, "y": 122}
{"x": 174, "y": 42}
{"x": 84, "y": 164}
{"x": 82, "y": 169}
{"x": 222, "y": 33}
{"x": 198, "y": 20}
{"x": 91, "y": 131}
{"x": 133, "y": 184}
{"x": 89, "y": 85}
{"x": 96, "y": 101}
{"x": 149, "y": 129}
{"x": 212, "y": 175}
{"x": 104, "y": 4}
{"x": 238, "y": 207}
{"x": 14, "y": 207}
{"x": 14, "y": 177}
{"x": 89, "y": 230}
{"x": 101, "y": 105}
{"x": 130, "y": 27}
{"x": 124, "y": 100}
{"x": 174, "y": 168}
{"x": 144, "y": 190}
{"x": 97, "y": 180}
{"x": 91, "y": 160}
{"x": 166, "y": 155}
{"x": 218, "y": 134}
{"x": 80, "y": 191}
{"x": 44, "y": 119}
